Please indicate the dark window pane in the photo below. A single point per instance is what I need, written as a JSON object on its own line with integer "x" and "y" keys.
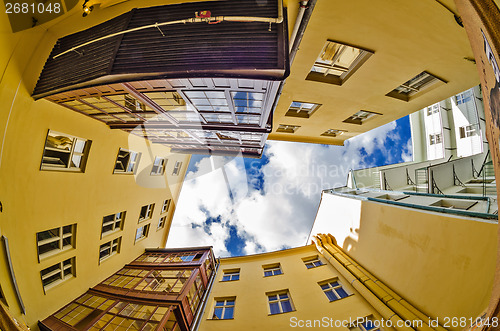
{"x": 342, "y": 293}
{"x": 286, "y": 306}
{"x": 229, "y": 313}
{"x": 218, "y": 312}
{"x": 275, "y": 309}
{"x": 331, "y": 296}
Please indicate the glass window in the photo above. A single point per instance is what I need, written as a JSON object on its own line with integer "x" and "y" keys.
{"x": 285, "y": 128}
{"x": 110, "y": 248}
{"x": 231, "y": 275}
{"x": 313, "y": 263}
{"x": 165, "y": 206}
{"x": 146, "y": 212}
{"x": 142, "y": 232}
{"x": 57, "y": 273}
{"x": 55, "y": 240}
{"x": 224, "y": 309}
{"x": 111, "y": 223}
{"x": 65, "y": 152}
{"x": 161, "y": 222}
{"x": 177, "y": 168}
{"x": 158, "y": 166}
{"x": 333, "y": 290}
{"x": 420, "y": 82}
{"x": 272, "y": 270}
{"x": 279, "y": 303}
{"x": 301, "y": 109}
{"x": 126, "y": 161}
{"x": 360, "y": 117}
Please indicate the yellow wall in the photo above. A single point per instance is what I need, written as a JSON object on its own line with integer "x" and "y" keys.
{"x": 406, "y": 39}
{"x": 251, "y": 304}
{"x": 35, "y": 200}
{"x": 442, "y": 264}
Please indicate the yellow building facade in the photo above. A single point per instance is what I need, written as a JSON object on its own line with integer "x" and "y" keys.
{"x": 354, "y": 59}
{"x": 314, "y": 286}
{"x": 78, "y": 200}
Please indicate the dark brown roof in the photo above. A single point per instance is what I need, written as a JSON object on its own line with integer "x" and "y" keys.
{"x": 226, "y": 49}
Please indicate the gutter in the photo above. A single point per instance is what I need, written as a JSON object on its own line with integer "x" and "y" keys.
{"x": 200, "y": 312}
{"x": 387, "y": 303}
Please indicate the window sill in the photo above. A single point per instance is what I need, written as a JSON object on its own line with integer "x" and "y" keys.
{"x": 107, "y": 233}
{"x": 57, "y": 283}
{"x": 350, "y": 295}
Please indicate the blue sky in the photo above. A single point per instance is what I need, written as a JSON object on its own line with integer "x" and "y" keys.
{"x": 244, "y": 206}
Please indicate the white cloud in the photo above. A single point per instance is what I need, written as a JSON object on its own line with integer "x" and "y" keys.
{"x": 281, "y": 213}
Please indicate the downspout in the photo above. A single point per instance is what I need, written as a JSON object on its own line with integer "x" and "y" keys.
{"x": 210, "y": 20}
{"x": 306, "y": 16}
{"x": 12, "y": 275}
{"x": 200, "y": 312}
{"x": 298, "y": 21}
{"x": 391, "y": 306}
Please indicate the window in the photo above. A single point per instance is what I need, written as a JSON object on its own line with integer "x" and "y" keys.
{"x": 158, "y": 166}
{"x": 146, "y": 212}
{"x": 161, "y": 222}
{"x": 65, "y": 152}
{"x": 469, "y": 131}
{"x": 133, "y": 104}
{"x": 279, "y": 302}
{"x": 285, "y": 128}
{"x": 57, "y": 273}
{"x": 333, "y": 133}
{"x": 165, "y": 206}
{"x": 337, "y": 62}
{"x": 421, "y": 82}
{"x": 368, "y": 324}
{"x": 126, "y": 162}
{"x": 55, "y": 240}
{"x": 435, "y": 138}
{"x": 333, "y": 290}
{"x": 109, "y": 248}
{"x": 230, "y": 275}
{"x": 111, "y": 223}
{"x": 224, "y": 309}
{"x": 433, "y": 109}
{"x": 313, "y": 262}
{"x": 301, "y": 109}
{"x": 360, "y": 117}
{"x": 272, "y": 270}
{"x": 142, "y": 232}
{"x": 392, "y": 197}
{"x": 177, "y": 168}
{"x": 463, "y": 97}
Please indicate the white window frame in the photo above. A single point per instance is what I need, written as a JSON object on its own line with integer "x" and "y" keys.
{"x": 144, "y": 232}
{"x": 275, "y": 270}
{"x": 59, "y": 238}
{"x": 166, "y": 206}
{"x": 110, "y": 248}
{"x": 50, "y": 153}
{"x": 149, "y": 212}
{"x": 177, "y": 168}
{"x": 161, "y": 223}
{"x": 233, "y": 275}
{"x": 467, "y": 131}
{"x": 360, "y": 117}
{"x": 285, "y": 128}
{"x": 131, "y": 164}
{"x": 435, "y": 138}
{"x": 433, "y": 109}
{"x": 334, "y": 289}
{"x": 117, "y": 223}
{"x": 226, "y": 303}
{"x": 301, "y": 111}
{"x": 158, "y": 168}
{"x": 280, "y": 301}
{"x": 62, "y": 267}
{"x": 314, "y": 262}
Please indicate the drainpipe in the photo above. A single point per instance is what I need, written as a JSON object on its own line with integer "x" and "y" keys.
{"x": 199, "y": 314}
{"x": 297, "y": 37}
{"x": 388, "y": 304}
{"x": 302, "y": 9}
